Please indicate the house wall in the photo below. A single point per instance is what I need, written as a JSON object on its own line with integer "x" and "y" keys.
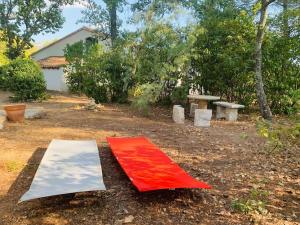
{"x": 57, "y": 49}
{"x": 55, "y": 79}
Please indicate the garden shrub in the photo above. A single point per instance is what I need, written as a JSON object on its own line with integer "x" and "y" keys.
{"x": 75, "y": 55}
{"x": 103, "y": 75}
{"x": 94, "y": 88}
{"x": 222, "y": 54}
{"x": 145, "y": 95}
{"x": 179, "y": 95}
{"x": 24, "y": 78}
{"x": 215, "y": 56}
{"x": 282, "y": 73}
{"x": 255, "y": 201}
{"x": 2, "y": 79}
{"x": 162, "y": 56}
{"x": 280, "y": 136}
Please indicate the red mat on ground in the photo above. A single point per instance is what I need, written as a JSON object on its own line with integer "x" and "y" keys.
{"x": 148, "y": 167}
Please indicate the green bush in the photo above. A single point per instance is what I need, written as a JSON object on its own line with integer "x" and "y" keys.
{"x": 179, "y": 95}
{"x": 145, "y": 95}
{"x": 255, "y": 202}
{"x": 2, "y": 79}
{"x": 280, "y": 136}
{"x": 24, "y": 78}
{"x": 213, "y": 56}
{"x": 223, "y": 54}
{"x": 75, "y": 71}
{"x": 282, "y": 73}
{"x": 103, "y": 75}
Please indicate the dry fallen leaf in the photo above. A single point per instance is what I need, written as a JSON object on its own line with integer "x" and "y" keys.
{"x": 129, "y": 219}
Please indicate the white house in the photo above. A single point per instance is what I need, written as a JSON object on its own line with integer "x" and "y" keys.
{"x": 51, "y": 58}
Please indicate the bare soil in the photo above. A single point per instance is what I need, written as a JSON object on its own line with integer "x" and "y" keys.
{"x": 229, "y": 156}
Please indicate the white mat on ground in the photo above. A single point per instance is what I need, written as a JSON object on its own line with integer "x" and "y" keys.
{"x": 67, "y": 167}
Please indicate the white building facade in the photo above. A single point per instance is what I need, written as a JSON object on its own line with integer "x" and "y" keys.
{"x": 52, "y": 61}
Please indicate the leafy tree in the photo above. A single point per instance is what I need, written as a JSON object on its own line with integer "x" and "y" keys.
{"x": 161, "y": 57}
{"x": 103, "y": 75}
{"x": 162, "y": 53}
{"x": 3, "y": 59}
{"x": 75, "y": 55}
{"x": 276, "y": 64}
{"x": 105, "y": 19}
{"x": 228, "y": 52}
{"x": 281, "y": 58}
{"x": 155, "y": 8}
{"x": 24, "y": 78}
{"x": 222, "y": 52}
{"x": 288, "y": 19}
{"x": 145, "y": 95}
{"x": 20, "y": 20}
{"x": 259, "y": 86}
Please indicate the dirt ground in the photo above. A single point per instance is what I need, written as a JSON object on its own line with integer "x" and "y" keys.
{"x": 227, "y": 155}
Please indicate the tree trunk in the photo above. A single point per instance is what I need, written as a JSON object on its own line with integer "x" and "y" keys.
{"x": 113, "y": 22}
{"x": 260, "y": 92}
{"x": 286, "y": 31}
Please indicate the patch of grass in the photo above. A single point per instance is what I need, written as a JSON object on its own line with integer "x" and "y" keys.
{"x": 257, "y": 194}
{"x": 247, "y": 206}
{"x": 264, "y": 180}
{"x": 282, "y": 135}
{"x": 243, "y": 136}
{"x": 254, "y": 202}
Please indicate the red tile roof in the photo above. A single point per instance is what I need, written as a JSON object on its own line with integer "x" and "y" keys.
{"x": 52, "y": 62}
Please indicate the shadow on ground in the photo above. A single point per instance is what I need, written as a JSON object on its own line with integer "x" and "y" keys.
{"x": 120, "y": 199}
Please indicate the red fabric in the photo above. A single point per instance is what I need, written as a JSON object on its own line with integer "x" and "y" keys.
{"x": 148, "y": 167}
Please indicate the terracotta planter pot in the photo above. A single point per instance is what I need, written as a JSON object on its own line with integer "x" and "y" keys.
{"x": 15, "y": 113}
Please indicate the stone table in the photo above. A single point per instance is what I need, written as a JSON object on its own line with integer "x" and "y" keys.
{"x": 202, "y": 100}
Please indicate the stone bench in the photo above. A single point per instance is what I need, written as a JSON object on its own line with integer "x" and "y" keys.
{"x": 193, "y": 107}
{"x": 202, "y": 117}
{"x": 30, "y": 113}
{"x": 178, "y": 114}
{"x": 35, "y": 113}
{"x": 228, "y": 110}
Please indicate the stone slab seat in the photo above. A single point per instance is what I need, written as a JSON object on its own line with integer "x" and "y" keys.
{"x": 203, "y": 97}
{"x": 202, "y": 117}
{"x": 178, "y": 114}
{"x": 193, "y": 107}
{"x": 227, "y": 110}
{"x": 30, "y": 113}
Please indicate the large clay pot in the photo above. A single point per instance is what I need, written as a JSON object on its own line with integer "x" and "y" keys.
{"x": 15, "y": 113}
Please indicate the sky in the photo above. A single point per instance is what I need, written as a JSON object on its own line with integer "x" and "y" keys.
{"x": 72, "y": 15}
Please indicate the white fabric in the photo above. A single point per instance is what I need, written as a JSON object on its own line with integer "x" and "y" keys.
{"x": 67, "y": 167}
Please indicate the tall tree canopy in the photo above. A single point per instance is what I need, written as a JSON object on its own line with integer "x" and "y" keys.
{"x": 20, "y": 20}
{"x": 103, "y": 15}
{"x": 232, "y": 48}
